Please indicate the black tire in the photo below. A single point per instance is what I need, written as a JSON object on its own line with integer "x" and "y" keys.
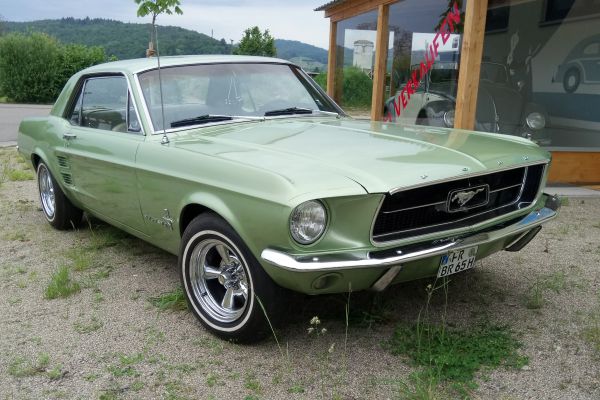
{"x": 57, "y": 208}
{"x": 571, "y": 80}
{"x": 207, "y": 278}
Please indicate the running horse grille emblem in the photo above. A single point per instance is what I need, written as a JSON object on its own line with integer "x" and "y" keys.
{"x": 464, "y": 199}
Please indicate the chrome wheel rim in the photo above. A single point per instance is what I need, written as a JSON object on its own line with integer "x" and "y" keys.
{"x": 46, "y": 191}
{"x": 571, "y": 80}
{"x": 219, "y": 280}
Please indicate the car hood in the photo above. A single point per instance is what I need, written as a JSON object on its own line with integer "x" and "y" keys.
{"x": 380, "y": 157}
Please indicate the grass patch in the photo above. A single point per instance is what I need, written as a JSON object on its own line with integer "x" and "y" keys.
{"x": 61, "y": 285}
{"x": 536, "y": 295}
{"x": 454, "y": 355}
{"x": 592, "y": 336}
{"x": 174, "y": 301}
{"x": 87, "y": 327}
{"x": 81, "y": 260}
{"x": 564, "y": 201}
{"x": 19, "y": 175}
{"x": 20, "y": 368}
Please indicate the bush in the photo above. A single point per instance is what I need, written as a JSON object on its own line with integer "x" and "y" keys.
{"x": 357, "y": 87}
{"x": 35, "y": 67}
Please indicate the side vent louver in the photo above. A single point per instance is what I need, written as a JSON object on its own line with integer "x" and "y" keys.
{"x": 63, "y": 163}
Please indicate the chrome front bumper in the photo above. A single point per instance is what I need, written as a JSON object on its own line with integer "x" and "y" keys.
{"x": 344, "y": 261}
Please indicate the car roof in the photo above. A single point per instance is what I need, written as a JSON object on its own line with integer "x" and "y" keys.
{"x": 144, "y": 64}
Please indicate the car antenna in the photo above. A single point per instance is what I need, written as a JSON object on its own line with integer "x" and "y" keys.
{"x": 165, "y": 139}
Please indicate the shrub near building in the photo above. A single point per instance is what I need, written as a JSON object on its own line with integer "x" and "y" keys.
{"x": 35, "y": 67}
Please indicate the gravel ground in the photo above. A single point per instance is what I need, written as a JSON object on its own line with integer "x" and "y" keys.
{"x": 107, "y": 341}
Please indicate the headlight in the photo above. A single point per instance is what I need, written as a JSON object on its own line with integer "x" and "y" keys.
{"x": 536, "y": 121}
{"x": 308, "y": 222}
{"x": 449, "y": 119}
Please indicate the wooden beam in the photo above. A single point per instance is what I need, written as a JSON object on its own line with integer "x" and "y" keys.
{"x": 575, "y": 167}
{"x": 353, "y": 8}
{"x": 331, "y": 61}
{"x": 381, "y": 50}
{"x": 470, "y": 64}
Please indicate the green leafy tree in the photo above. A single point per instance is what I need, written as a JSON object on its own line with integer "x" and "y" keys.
{"x": 35, "y": 67}
{"x": 357, "y": 87}
{"x": 155, "y": 8}
{"x": 256, "y": 43}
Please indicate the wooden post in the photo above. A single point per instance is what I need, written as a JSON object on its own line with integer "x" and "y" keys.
{"x": 470, "y": 64}
{"x": 331, "y": 61}
{"x": 381, "y": 52}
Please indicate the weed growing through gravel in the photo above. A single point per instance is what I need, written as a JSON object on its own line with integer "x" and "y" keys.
{"x": 92, "y": 325}
{"x": 535, "y": 298}
{"x": 451, "y": 356}
{"x": 174, "y": 300}
{"x": 19, "y": 175}
{"x": 20, "y": 367}
{"x": 61, "y": 284}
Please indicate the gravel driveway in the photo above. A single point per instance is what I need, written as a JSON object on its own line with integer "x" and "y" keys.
{"x": 108, "y": 341}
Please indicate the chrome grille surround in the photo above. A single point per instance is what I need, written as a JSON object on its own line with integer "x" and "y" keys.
{"x": 506, "y": 197}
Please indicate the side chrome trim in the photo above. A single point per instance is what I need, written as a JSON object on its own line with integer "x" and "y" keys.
{"x": 333, "y": 262}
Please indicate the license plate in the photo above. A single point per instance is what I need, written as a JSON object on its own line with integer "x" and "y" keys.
{"x": 457, "y": 261}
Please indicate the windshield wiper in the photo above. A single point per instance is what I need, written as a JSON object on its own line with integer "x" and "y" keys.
{"x": 299, "y": 110}
{"x": 202, "y": 119}
{"x": 288, "y": 111}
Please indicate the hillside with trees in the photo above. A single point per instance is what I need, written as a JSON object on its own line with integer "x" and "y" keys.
{"x": 110, "y": 35}
{"x": 173, "y": 40}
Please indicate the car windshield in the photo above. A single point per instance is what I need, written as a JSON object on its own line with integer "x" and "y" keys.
{"x": 205, "y": 93}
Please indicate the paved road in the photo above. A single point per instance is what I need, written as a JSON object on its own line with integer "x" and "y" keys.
{"x": 12, "y": 114}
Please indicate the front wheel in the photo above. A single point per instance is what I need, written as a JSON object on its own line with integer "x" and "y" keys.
{"x": 223, "y": 282}
{"x": 58, "y": 210}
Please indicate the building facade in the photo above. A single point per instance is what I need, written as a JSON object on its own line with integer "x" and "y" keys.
{"x": 518, "y": 67}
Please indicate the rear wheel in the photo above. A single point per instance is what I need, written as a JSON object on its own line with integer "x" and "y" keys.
{"x": 571, "y": 80}
{"x": 58, "y": 210}
{"x": 223, "y": 282}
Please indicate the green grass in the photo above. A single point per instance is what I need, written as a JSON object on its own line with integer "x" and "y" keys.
{"x": 20, "y": 367}
{"x": 174, "y": 301}
{"x": 89, "y": 326}
{"x": 19, "y": 175}
{"x": 455, "y": 356}
{"x": 564, "y": 201}
{"x": 536, "y": 295}
{"x": 61, "y": 285}
{"x": 81, "y": 259}
{"x": 592, "y": 335}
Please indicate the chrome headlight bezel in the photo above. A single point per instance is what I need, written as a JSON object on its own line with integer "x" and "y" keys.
{"x": 308, "y": 222}
{"x": 536, "y": 121}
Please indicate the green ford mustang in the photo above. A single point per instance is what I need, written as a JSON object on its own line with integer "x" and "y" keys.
{"x": 260, "y": 183}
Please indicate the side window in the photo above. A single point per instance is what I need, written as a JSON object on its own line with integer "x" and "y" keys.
{"x": 133, "y": 123}
{"x": 104, "y": 105}
{"x": 75, "y": 117}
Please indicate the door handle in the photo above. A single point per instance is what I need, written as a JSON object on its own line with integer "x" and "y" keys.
{"x": 69, "y": 136}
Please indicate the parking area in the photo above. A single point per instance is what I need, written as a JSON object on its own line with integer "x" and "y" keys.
{"x": 96, "y": 313}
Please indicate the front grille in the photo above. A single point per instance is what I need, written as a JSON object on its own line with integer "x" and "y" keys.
{"x": 438, "y": 207}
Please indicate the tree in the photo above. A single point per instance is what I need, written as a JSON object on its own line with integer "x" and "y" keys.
{"x": 35, "y": 67}
{"x": 155, "y": 8}
{"x": 255, "y": 43}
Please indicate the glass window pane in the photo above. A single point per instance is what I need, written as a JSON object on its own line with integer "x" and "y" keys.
{"x": 104, "y": 103}
{"x": 355, "y": 60}
{"x": 424, "y": 55}
{"x": 540, "y": 72}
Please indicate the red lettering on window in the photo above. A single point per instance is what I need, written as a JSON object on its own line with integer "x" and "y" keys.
{"x": 453, "y": 17}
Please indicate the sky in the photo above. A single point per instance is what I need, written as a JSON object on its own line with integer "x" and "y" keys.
{"x": 285, "y": 19}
